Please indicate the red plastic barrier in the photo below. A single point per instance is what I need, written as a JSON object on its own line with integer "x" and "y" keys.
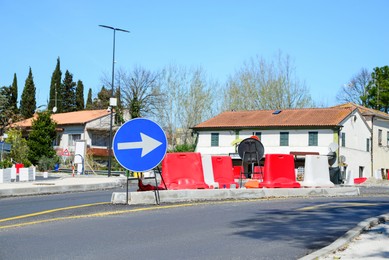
{"x": 18, "y": 166}
{"x": 258, "y": 173}
{"x": 237, "y": 170}
{"x": 223, "y": 172}
{"x": 279, "y": 172}
{"x": 183, "y": 171}
{"x": 359, "y": 180}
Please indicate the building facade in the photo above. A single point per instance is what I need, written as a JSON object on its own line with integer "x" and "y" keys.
{"x": 343, "y": 130}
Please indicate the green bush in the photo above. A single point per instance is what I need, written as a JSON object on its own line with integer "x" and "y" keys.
{"x": 184, "y": 148}
{"x": 46, "y": 164}
{"x": 6, "y": 163}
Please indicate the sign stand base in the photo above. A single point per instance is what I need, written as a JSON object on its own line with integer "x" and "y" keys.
{"x": 156, "y": 190}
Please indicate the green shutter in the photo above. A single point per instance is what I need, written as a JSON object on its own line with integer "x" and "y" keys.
{"x": 284, "y": 138}
{"x": 214, "y": 139}
{"x": 313, "y": 138}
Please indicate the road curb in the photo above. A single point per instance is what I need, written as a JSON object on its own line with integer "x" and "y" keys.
{"x": 177, "y": 196}
{"x": 347, "y": 237}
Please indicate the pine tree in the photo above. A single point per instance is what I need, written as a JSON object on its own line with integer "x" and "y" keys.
{"x": 28, "y": 102}
{"x": 68, "y": 93}
{"x": 40, "y": 139}
{"x": 13, "y": 102}
{"x": 55, "y": 88}
{"x": 80, "y": 104}
{"x": 102, "y": 100}
{"x": 89, "y": 104}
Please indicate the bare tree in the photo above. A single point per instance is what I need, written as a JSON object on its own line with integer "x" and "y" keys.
{"x": 188, "y": 101}
{"x": 356, "y": 88}
{"x": 140, "y": 92}
{"x": 260, "y": 84}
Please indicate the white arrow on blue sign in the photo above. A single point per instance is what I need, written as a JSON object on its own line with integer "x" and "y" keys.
{"x": 139, "y": 145}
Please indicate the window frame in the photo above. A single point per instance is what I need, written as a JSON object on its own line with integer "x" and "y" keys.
{"x": 214, "y": 139}
{"x": 313, "y": 138}
{"x": 284, "y": 138}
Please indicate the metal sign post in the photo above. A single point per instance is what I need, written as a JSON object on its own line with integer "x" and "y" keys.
{"x": 140, "y": 145}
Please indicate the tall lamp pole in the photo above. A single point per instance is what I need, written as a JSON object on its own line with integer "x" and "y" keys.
{"x": 112, "y": 101}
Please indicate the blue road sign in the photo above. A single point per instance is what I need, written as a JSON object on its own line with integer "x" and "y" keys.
{"x": 139, "y": 145}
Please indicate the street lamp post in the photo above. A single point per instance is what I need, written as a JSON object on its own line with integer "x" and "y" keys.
{"x": 111, "y": 102}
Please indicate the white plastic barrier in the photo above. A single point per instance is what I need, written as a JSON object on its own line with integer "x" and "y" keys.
{"x": 349, "y": 178}
{"x": 378, "y": 174}
{"x": 316, "y": 172}
{"x": 206, "y": 160}
{"x": 25, "y": 174}
{"x": 32, "y": 172}
{"x": 13, "y": 173}
{"x": 5, "y": 175}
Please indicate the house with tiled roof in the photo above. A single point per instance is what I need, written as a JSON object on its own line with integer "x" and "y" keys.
{"x": 296, "y": 131}
{"x": 378, "y": 123}
{"x": 92, "y": 126}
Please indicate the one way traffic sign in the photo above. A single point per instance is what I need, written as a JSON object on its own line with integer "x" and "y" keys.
{"x": 139, "y": 145}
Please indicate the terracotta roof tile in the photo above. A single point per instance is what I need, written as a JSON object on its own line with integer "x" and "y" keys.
{"x": 364, "y": 110}
{"x": 70, "y": 118}
{"x": 316, "y": 117}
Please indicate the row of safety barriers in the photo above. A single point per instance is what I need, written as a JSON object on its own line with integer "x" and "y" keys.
{"x": 196, "y": 171}
{"x": 17, "y": 174}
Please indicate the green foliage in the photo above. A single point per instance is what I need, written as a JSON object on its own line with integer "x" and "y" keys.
{"x": 89, "y": 102}
{"x": 102, "y": 100}
{"x": 28, "y": 102}
{"x": 135, "y": 107}
{"x": 184, "y": 148}
{"x": 68, "y": 93}
{"x": 40, "y": 140}
{"x": 80, "y": 104}
{"x": 377, "y": 94}
{"x": 13, "y": 99}
{"x": 55, "y": 88}
{"x": 19, "y": 151}
{"x": 6, "y": 163}
{"x": 47, "y": 163}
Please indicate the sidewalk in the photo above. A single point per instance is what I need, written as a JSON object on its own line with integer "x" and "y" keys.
{"x": 60, "y": 183}
{"x": 368, "y": 240}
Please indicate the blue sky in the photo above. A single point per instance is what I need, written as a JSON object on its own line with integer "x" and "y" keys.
{"x": 329, "y": 40}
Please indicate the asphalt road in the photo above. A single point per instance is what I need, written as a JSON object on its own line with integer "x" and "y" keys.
{"x": 261, "y": 229}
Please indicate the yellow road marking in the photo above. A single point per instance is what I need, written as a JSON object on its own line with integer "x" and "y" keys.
{"x": 100, "y": 214}
{"x": 51, "y": 211}
{"x": 337, "y": 205}
{"x": 107, "y": 213}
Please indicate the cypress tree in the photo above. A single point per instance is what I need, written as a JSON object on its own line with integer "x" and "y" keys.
{"x": 55, "y": 88}
{"x": 89, "y": 104}
{"x": 80, "y": 104}
{"x": 28, "y": 102}
{"x": 68, "y": 93}
{"x": 13, "y": 102}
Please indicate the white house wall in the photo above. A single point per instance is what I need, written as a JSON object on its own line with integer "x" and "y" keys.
{"x": 380, "y": 152}
{"x": 358, "y": 158}
{"x": 100, "y": 123}
{"x": 71, "y": 130}
{"x": 298, "y": 141}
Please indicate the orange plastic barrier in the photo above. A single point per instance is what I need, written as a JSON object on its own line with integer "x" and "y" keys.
{"x": 223, "y": 172}
{"x": 279, "y": 172}
{"x": 183, "y": 171}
